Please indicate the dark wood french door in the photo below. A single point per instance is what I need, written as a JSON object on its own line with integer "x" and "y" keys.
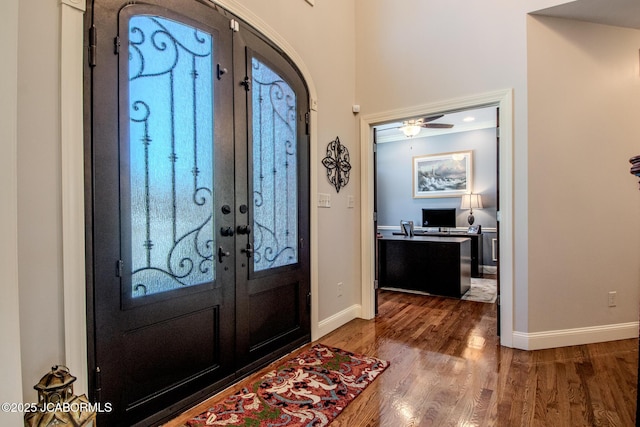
{"x": 272, "y": 275}
{"x": 198, "y": 205}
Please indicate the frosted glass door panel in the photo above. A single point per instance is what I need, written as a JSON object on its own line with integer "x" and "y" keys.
{"x": 275, "y": 171}
{"x": 170, "y": 156}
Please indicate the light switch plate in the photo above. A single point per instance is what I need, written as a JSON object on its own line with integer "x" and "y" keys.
{"x": 324, "y": 200}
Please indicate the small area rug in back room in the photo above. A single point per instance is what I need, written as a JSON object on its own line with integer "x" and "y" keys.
{"x": 482, "y": 290}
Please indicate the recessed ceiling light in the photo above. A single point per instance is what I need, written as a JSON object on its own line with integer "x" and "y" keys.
{"x": 468, "y": 119}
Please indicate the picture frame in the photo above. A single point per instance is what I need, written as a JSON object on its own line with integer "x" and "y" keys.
{"x": 474, "y": 229}
{"x": 443, "y": 174}
{"x": 407, "y": 228}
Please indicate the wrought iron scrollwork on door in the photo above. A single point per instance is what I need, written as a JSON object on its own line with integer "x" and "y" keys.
{"x": 170, "y": 159}
{"x": 275, "y": 170}
{"x": 337, "y": 164}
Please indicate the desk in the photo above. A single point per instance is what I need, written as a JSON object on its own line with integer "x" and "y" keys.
{"x": 476, "y": 247}
{"x": 436, "y": 265}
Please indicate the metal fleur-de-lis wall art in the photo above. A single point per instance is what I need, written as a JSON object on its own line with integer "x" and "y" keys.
{"x": 337, "y": 164}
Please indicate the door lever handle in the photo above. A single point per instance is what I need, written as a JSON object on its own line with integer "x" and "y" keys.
{"x": 248, "y": 250}
{"x": 222, "y": 253}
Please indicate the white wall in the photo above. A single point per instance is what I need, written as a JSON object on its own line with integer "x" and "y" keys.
{"x": 39, "y": 194}
{"x": 11, "y": 385}
{"x": 447, "y": 50}
{"x": 394, "y": 169}
{"x": 584, "y": 109}
{"x": 534, "y": 5}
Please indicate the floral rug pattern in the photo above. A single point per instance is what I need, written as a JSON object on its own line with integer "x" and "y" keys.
{"x": 310, "y": 389}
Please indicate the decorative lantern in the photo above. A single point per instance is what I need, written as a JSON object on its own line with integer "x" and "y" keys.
{"x": 57, "y": 405}
{"x": 56, "y": 386}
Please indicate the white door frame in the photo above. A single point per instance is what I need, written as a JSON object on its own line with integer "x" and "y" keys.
{"x": 502, "y": 99}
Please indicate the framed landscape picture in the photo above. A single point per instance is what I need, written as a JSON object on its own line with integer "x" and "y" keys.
{"x": 442, "y": 175}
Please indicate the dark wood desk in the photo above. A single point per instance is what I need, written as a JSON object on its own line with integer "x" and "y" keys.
{"x": 436, "y": 265}
{"x": 476, "y": 247}
{"x": 476, "y": 250}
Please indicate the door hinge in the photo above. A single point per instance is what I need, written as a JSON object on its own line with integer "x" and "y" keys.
{"x": 116, "y": 45}
{"x": 497, "y": 132}
{"x": 307, "y": 120}
{"x": 93, "y": 41}
{"x": 375, "y": 216}
{"x": 309, "y": 300}
{"x": 234, "y": 25}
{"x": 246, "y": 83}
{"x": 119, "y": 265}
{"x": 375, "y": 284}
{"x": 98, "y": 384}
{"x": 221, "y": 71}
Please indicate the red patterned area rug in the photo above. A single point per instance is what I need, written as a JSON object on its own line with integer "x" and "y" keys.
{"x": 310, "y": 389}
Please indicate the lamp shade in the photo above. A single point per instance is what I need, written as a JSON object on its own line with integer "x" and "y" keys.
{"x": 471, "y": 201}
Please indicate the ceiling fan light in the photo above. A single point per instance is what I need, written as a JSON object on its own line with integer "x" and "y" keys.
{"x": 410, "y": 130}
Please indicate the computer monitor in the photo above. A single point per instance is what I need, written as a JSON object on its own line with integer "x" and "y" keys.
{"x": 439, "y": 218}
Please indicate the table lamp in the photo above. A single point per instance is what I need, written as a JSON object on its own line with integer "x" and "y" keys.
{"x": 471, "y": 201}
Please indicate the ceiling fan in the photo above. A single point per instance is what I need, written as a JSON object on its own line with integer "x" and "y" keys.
{"x": 412, "y": 127}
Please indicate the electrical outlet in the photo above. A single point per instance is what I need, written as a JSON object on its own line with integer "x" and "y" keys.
{"x": 339, "y": 289}
{"x": 612, "y": 298}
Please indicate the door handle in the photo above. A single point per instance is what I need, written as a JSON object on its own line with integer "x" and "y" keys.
{"x": 226, "y": 231}
{"x": 243, "y": 229}
{"x": 222, "y": 253}
{"x": 248, "y": 250}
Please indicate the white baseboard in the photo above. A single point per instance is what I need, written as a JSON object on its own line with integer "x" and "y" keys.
{"x": 521, "y": 340}
{"x": 334, "y": 322}
{"x": 577, "y": 336}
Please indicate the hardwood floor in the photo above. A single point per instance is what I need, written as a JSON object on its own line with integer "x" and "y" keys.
{"x": 448, "y": 369}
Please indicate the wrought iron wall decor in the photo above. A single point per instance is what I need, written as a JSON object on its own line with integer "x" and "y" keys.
{"x": 337, "y": 164}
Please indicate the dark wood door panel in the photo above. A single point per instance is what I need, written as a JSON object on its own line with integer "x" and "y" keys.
{"x": 273, "y": 283}
{"x": 178, "y": 351}
{"x": 274, "y": 313}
